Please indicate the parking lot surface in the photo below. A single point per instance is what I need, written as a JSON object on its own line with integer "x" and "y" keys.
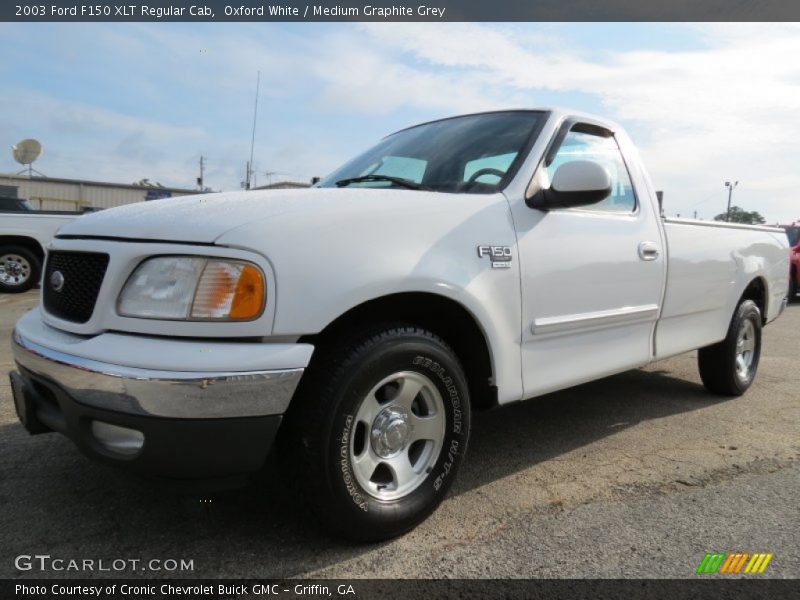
{"x": 636, "y": 475}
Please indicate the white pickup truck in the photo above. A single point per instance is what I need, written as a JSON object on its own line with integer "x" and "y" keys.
{"x": 24, "y": 233}
{"x": 457, "y": 265}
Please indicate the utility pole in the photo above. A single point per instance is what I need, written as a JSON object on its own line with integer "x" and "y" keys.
{"x": 246, "y": 183}
{"x": 730, "y": 187}
{"x": 202, "y": 168}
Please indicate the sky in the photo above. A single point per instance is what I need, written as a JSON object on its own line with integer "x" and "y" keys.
{"x": 121, "y": 102}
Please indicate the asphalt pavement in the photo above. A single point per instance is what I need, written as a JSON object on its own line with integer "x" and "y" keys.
{"x": 636, "y": 475}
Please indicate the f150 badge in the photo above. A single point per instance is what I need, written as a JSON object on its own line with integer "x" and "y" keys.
{"x": 499, "y": 255}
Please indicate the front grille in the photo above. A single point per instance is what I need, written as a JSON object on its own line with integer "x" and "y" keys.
{"x": 81, "y": 276}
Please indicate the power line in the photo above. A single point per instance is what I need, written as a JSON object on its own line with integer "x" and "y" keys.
{"x": 710, "y": 197}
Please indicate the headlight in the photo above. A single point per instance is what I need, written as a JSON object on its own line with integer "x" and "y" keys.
{"x": 194, "y": 288}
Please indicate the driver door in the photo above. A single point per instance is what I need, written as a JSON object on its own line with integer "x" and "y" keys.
{"x": 590, "y": 294}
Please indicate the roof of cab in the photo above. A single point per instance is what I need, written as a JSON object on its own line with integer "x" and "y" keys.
{"x": 557, "y": 113}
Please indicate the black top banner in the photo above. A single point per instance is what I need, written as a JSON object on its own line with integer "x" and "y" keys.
{"x": 400, "y": 10}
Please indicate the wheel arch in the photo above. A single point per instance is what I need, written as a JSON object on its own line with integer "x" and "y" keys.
{"x": 24, "y": 241}
{"x": 758, "y": 292}
{"x": 445, "y": 317}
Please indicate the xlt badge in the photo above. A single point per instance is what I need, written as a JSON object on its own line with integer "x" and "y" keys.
{"x": 499, "y": 255}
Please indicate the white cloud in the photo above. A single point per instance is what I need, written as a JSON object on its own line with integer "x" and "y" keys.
{"x": 100, "y": 143}
{"x": 729, "y": 110}
{"x": 725, "y": 109}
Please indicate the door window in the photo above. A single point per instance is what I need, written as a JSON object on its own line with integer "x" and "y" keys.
{"x": 578, "y": 145}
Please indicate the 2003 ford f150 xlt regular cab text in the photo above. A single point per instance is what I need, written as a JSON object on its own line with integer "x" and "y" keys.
{"x": 358, "y": 324}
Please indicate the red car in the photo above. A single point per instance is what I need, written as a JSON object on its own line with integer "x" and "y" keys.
{"x": 793, "y": 232}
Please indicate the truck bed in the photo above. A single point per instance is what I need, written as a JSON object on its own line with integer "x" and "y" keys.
{"x": 709, "y": 263}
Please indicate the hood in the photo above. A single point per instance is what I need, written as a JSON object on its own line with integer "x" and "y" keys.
{"x": 204, "y": 218}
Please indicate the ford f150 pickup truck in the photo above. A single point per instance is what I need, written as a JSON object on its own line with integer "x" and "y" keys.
{"x": 359, "y": 324}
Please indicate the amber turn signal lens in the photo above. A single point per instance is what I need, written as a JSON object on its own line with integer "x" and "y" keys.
{"x": 229, "y": 290}
{"x": 249, "y": 296}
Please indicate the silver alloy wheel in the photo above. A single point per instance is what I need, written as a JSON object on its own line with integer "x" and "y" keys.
{"x": 14, "y": 269}
{"x": 397, "y": 435}
{"x": 745, "y": 349}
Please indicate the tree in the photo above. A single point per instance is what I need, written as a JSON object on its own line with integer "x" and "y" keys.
{"x": 738, "y": 215}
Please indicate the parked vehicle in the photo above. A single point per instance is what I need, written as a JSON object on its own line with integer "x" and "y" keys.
{"x": 360, "y": 323}
{"x": 24, "y": 234}
{"x": 14, "y": 204}
{"x": 793, "y": 233}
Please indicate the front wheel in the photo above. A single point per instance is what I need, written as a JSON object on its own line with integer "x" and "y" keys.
{"x": 729, "y": 367}
{"x": 377, "y": 431}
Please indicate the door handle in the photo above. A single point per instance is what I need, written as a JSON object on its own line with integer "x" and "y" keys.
{"x": 648, "y": 250}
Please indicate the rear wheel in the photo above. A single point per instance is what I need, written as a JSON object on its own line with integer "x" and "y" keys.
{"x": 793, "y": 286}
{"x": 377, "y": 431}
{"x": 20, "y": 269}
{"x": 729, "y": 367}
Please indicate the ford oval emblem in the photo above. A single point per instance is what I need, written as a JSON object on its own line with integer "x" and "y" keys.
{"x": 57, "y": 281}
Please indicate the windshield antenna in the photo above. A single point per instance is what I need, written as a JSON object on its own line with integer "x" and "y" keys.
{"x": 253, "y": 137}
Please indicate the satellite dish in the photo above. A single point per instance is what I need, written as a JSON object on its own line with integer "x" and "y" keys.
{"x": 27, "y": 151}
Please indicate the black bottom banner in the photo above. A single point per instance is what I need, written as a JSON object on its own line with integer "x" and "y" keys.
{"x": 544, "y": 589}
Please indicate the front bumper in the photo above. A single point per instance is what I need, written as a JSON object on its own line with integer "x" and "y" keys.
{"x": 181, "y": 423}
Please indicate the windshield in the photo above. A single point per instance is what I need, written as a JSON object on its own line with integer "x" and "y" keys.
{"x": 470, "y": 154}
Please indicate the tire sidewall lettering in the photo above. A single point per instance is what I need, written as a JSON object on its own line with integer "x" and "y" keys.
{"x": 452, "y": 391}
{"x": 450, "y": 454}
{"x": 350, "y": 484}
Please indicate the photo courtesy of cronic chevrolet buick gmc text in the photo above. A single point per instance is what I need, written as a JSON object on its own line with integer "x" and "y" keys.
{"x": 358, "y": 325}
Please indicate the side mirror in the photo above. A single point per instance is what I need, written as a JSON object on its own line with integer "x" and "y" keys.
{"x": 576, "y": 183}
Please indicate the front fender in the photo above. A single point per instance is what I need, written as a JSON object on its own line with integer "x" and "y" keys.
{"x": 340, "y": 259}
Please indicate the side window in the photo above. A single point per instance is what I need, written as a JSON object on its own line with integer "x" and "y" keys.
{"x": 578, "y": 145}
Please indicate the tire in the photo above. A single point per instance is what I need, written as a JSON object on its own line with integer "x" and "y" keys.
{"x": 20, "y": 269}
{"x": 793, "y": 287}
{"x": 351, "y": 418}
{"x": 729, "y": 367}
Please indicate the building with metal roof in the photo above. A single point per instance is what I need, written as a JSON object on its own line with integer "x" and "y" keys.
{"x": 54, "y": 193}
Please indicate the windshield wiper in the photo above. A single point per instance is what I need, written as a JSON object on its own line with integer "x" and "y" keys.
{"x": 396, "y": 180}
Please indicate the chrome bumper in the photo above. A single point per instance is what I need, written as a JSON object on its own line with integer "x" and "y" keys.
{"x": 147, "y": 392}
